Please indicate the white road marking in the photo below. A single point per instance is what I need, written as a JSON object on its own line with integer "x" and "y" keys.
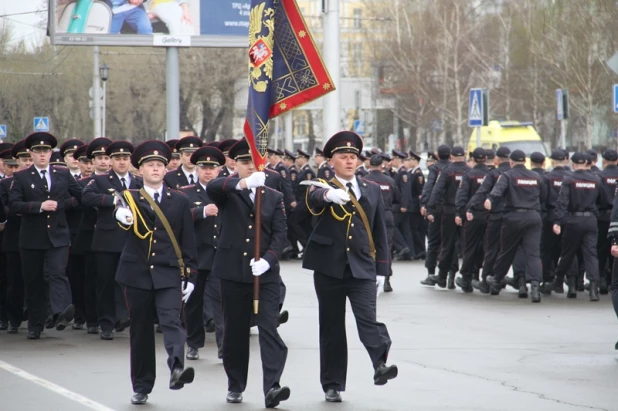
{"x": 54, "y": 387}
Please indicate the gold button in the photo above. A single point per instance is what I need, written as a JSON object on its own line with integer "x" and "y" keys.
{"x": 152, "y": 267}
{"x": 245, "y": 254}
{"x": 250, "y": 227}
{"x": 156, "y": 227}
{"x": 350, "y": 237}
{"x": 48, "y": 216}
{"x": 48, "y": 197}
{"x": 347, "y": 249}
{"x": 250, "y": 215}
{"x": 352, "y": 225}
{"x": 214, "y": 236}
{"x": 154, "y": 241}
{"x": 153, "y": 254}
{"x": 247, "y": 240}
{"x": 353, "y": 212}
{"x": 48, "y": 226}
{"x": 215, "y": 226}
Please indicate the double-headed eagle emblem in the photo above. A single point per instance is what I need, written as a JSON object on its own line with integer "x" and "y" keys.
{"x": 261, "y": 50}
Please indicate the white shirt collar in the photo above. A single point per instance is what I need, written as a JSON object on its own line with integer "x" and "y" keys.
{"x": 355, "y": 186}
{"x": 187, "y": 174}
{"x": 127, "y": 178}
{"x": 41, "y": 169}
{"x": 151, "y": 192}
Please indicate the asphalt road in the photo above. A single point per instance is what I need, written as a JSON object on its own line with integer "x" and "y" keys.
{"x": 454, "y": 352}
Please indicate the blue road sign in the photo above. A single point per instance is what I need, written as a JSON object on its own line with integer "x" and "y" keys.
{"x": 615, "y": 98}
{"x": 476, "y": 109}
{"x": 559, "y": 104}
{"x": 2, "y": 130}
{"x": 359, "y": 127}
{"x": 41, "y": 124}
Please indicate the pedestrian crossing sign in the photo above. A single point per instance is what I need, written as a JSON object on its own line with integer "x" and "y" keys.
{"x": 2, "y": 130}
{"x": 477, "y": 112}
{"x": 41, "y": 124}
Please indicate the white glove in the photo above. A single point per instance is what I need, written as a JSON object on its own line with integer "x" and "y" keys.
{"x": 187, "y": 289}
{"x": 255, "y": 180}
{"x": 337, "y": 196}
{"x": 259, "y": 267}
{"x": 380, "y": 284}
{"x": 124, "y": 215}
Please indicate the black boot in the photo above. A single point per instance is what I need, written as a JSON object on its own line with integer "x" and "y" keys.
{"x": 439, "y": 280}
{"x": 535, "y": 293}
{"x": 603, "y": 285}
{"x": 464, "y": 284}
{"x": 572, "y": 284}
{"x": 523, "y": 288}
{"x": 451, "y": 281}
{"x": 482, "y": 286}
{"x": 559, "y": 285}
{"x": 430, "y": 280}
{"x": 594, "y": 291}
{"x": 387, "y": 285}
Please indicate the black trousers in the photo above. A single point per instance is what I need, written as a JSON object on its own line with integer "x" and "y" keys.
{"x": 434, "y": 239}
{"x": 473, "y": 233}
{"x": 579, "y": 234}
{"x": 299, "y": 222}
{"x": 447, "y": 259}
{"x": 90, "y": 295}
{"x": 194, "y": 312}
{"x": 15, "y": 289}
{"x": 603, "y": 250}
{"x": 4, "y": 285}
{"x": 45, "y": 280}
{"x": 142, "y": 306}
{"x": 417, "y": 228}
{"x": 332, "y": 293}
{"x": 520, "y": 230}
{"x": 402, "y": 236}
{"x": 77, "y": 280}
{"x": 613, "y": 287}
{"x": 111, "y": 306}
{"x": 550, "y": 250}
{"x": 212, "y": 300}
{"x": 491, "y": 244}
{"x": 237, "y": 301}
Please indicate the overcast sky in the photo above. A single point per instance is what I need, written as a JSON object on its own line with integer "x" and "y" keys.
{"x": 25, "y": 26}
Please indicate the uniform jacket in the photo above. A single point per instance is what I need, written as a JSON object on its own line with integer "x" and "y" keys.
{"x": 10, "y": 235}
{"x": 176, "y": 178}
{"x": 477, "y": 200}
{"x": 153, "y": 265}
{"x": 521, "y": 189}
{"x": 432, "y": 177}
{"x": 108, "y": 235}
{"x": 206, "y": 228}
{"x": 277, "y": 180}
{"x": 608, "y": 177}
{"x": 417, "y": 182}
{"x": 445, "y": 189}
{"x": 470, "y": 183}
{"x": 237, "y": 237}
{"x": 402, "y": 179}
{"x": 331, "y": 246}
{"x": 293, "y": 177}
{"x": 325, "y": 171}
{"x": 87, "y": 222}
{"x": 305, "y": 173}
{"x": 361, "y": 171}
{"x": 43, "y": 230}
{"x": 580, "y": 192}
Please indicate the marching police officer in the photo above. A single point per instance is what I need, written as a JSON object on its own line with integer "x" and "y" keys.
{"x": 38, "y": 194}
{"x": 206, "y": 220}
{"x": 402, "y": 235}
{"x": 522, "y": 192}
{"x": 236, "y": 268}
{"x": 185, "y": 174}
{"x": 348, "y": 252}
{"x": 474, "y": 221}
{"x": 175, "y": 160}
{"x": 325, "y": 172}
{"x": 608, "y": 177}
{"x": 417, "y": 227}
{"x": 300, "y": 220}
{"x": 575, "y": 214}
{"x": 151, "y": 271}
{"x": 361, "y": 171}
{"x": 230, "y": 165}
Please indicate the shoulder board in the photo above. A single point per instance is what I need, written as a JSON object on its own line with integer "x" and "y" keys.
{"x": 186, "y": 187}
{"x": 60, "y": 167}
{"x": 364, "y": 180}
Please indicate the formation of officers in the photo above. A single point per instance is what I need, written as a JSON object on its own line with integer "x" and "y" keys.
{"x": 106, "y": 236}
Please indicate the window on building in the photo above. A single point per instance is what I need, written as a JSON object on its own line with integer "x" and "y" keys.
{"x": 357, "y": 51}
{"x": 301, "y": 124}
{"x": 357, "y": 16}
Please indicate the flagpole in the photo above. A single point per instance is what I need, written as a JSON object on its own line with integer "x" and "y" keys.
{"x": 256, "y": 254}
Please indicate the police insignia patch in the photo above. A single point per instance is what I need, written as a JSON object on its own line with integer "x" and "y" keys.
{"x": 293, "y": 176}
{"x": 283, "y": 174}
{"x": 404, "y": 177}
{"x": 420, "y": 180}
{"x": 327, "y": 173}
{"x": 309, "y": 177}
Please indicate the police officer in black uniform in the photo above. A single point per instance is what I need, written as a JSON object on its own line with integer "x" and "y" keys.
{"x": 361, "y": 171}
{"x": 39, "y": 194}
{"x": 235, "y": 266}
{"x": 185, "y": 174}
{"x": 151, "y": 273}
{"x": 575, "y": 214}
{"x": 474, "y": 220}
{"x": 417, "y": 227}
{"x": 434, "y": 227}
{"x": 289, "y": 160}
{"x": 608, "y": 177}
{"x": 3, "y": 274}
{"x": 325, "y": 171}
{"x": 175, "y": 160}
{"x": 230, "y": 165}
{"x": 206, "y": 219}
{"x": 550, "y": 242}
{"x": 443, "y": 197}
{"x": 349, "y": 256}
{"x": 300, "y": 220}
{"x": 109, "y": 238}
{"x": 402, "y": 235}
{"x": 522, "y": 192}
{"x": 390, "y": 195}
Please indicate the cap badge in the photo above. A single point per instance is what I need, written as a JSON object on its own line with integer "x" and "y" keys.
{"x": 207, "y": 158}
{"x": 42, "y": 142}
{"x": 156, "y": 153}
{"x": 121, "y": 150}
{"x": 349, "y": 144}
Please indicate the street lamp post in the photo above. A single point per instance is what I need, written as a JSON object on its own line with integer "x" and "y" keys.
{"x": 104, "y": 73}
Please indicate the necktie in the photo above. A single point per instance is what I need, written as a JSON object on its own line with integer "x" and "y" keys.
{"x": 124, "y": 184}
{"x": 191, "y": 181}
{"x": 156, "y": 197}
{"x": 76, "y": 176}
{"x": 350, "y": 190}
{"x": 44, "y": 179}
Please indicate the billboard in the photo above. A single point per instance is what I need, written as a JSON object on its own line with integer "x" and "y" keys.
{"x": 183, "y": 23}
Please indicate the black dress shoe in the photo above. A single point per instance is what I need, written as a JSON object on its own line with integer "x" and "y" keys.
{"x": 572, "y": 283}
{"x": 122, "y": 325}
{"x": 535, "y": 293}
{"x": 193, "y": 354}
{"x": 50, "y": 322}
{"x": 510, "y": 281}
{"x": 332, "y": 395}
{"x": 78, "y": 326}
{"x": 107, "y": 335}
{"x": 594, "y": 291}
{"x": 419, "y": 256}
{"x": 275, "y": 395}
{"x": 388, "y": 288}
{"x": 12, "y": 329}
{"x": 558, "y": 286}
{"x": 139, "y": 399}
{"x": 439, "y": 280}
{"x": 465, "y": 285}
{"x": 523, "y": 291}
{"x": 180, "y": 377}
{"x": 384, "y": 373}
{"x": 494, "y": 285}
{"x": 283, "y": 317}
{"x": 65, "y": 317}
{"x": 482, "y": 286}
{"x": 92, "y": 330}
{"x": 603, "y": 285}
{"x": 3, "y": 325}
{"x": 451, "y": 281}
{"x": 234, "y": 397}
{"x": 430, "y": 280}
{"x": 33, "y": 335}
{"x": 210, "y": 326}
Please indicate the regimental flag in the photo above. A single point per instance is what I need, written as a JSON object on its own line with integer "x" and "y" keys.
{"x": 285, "y": 69}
